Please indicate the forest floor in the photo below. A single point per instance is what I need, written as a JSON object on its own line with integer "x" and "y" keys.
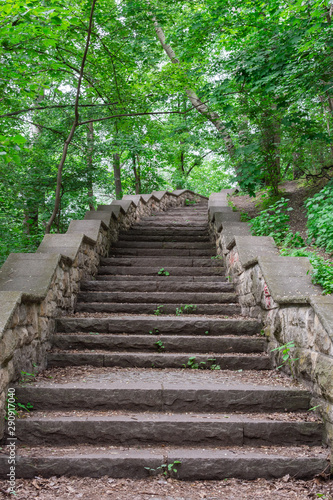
{"x": 168, "y": 489}
{"x": 296, "y": 195}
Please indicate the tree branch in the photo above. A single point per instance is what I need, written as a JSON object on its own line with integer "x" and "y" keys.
{"x": 37, "y": 108}
{"x": 133, "y": 114}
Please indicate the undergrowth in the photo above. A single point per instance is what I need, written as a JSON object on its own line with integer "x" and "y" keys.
{"x": 320, "y": 217}
{"x": 273, "y": 221}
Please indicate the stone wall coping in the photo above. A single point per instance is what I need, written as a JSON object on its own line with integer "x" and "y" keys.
{"x": 135, "y": 198}
{"x": 219, "y": 209}
{"x": 323, "y": 307}
{"x": 287, "y": 278}
{"x": 103, "y": 215}
{"x": 160, "y": 194}
{"x": 8, "y": 302}
{"x": 251, "y": 247}
{"x": 90, "y": 228}
{"x": 112, "y": 209}
{"x": 179, "y": 192}
{"x": 67, "y": 244}
{"x": 30, "y": 273}
{"x": 124, "y": 204}
{"x": 232, "y": 229}
{"x": 148, "y": 197}
{"x": 219, "y": 199}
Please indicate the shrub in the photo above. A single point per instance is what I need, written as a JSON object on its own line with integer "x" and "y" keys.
{"x": 273, "y": 221}
{"x": 320, "y": 217}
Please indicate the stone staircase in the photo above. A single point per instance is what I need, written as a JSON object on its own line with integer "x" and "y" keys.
{"x": 214, "y": 410}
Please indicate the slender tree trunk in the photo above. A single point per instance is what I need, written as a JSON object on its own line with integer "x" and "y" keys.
{"x": 271, "y": 145}
{"x": 117, "y": 176}
{"x": 75, "y": 124}
{"x": 30, "y": 221}
{"x": 90, "y": 164}
{"x": 201, "y": 107}
{"x": 137, "y": 176}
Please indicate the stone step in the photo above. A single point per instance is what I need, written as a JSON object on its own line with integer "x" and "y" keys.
{"x": 163, "y": 230}
{"x": 162, "y": 279}
{"x": 156, "y": 285}
{"x": 176, "y": 325}
{"x": 170, "y": 223}
{"x": 171, "y": 343}
{"x": 158, "y": 360}
{"x": 158, "y": 308}
{"x": 171, "y": 238}
{"x": 50, "y": 429}
{"x": 154, "y": 269}
{"x": 192, "y": 245}
{"x": 202, "y": 391}
{"x": 184, "y": 212}
{"x": 195, "y": 463}
{"x": 158, "y": 297}
{"x": 148, "y": 252}
{"x": 163, "y": 261}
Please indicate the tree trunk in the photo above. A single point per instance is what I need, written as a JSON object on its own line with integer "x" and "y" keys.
{"x": 137, "y": 176}
{"x": 90, "y": 164}
{"x": 117, "y": 176}
{"x": 30, "y": 221}
{"x": 201, "y": 107}
{"x": 75, "y": 124}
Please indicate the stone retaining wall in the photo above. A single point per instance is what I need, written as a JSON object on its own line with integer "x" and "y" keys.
{"x": 278, "y": 291}
{"x": 35, "y": 288}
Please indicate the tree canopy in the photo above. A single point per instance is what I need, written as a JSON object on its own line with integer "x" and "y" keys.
{"x": 102, "y": 98}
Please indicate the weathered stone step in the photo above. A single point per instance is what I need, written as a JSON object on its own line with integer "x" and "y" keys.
{"x": 165, "y": 230}
{"x": 158, "y": 308}
{"x": 169, "y": 223}
{"x": 172, "y": 238}
{"x": 112, "y": 278}
{"x": 196, "y": 463}
{"x": 50, "y": 429}
{"x": 158, "y": 360}
{"x": 183, "y": 212}
{"x": 162, "y": 261}
{"x": 156, "y": 285}
{"x": 165, "y": 244}
{"x": 154, "y": 270}
{"x": 177, "y": 325}
{"x": 148, "y": 252}
{"x": 184, "y": 238}
{"x": 158, "y": 297}
{"x": 163, "y": 391}
{"x": 175, "y": 261}
{"x": 171, "y": 343}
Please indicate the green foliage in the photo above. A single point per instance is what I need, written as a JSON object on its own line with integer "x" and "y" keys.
{"x": 163, "y": 272}
{"x": 160, "y": 346}
{"x": 273, "y": 221}
{"x": 167, "y": 470}
{"x": 285, "y": 352}
{"x": 320, "y": 217}
{"x": 27, "y": 377}
{"x": 154, "y": 331}
{"x": 186, "y": 309}
{"x": 202, "y": 365}
{"x": 17, "y": 407}
{"x": 158, "y": 310}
